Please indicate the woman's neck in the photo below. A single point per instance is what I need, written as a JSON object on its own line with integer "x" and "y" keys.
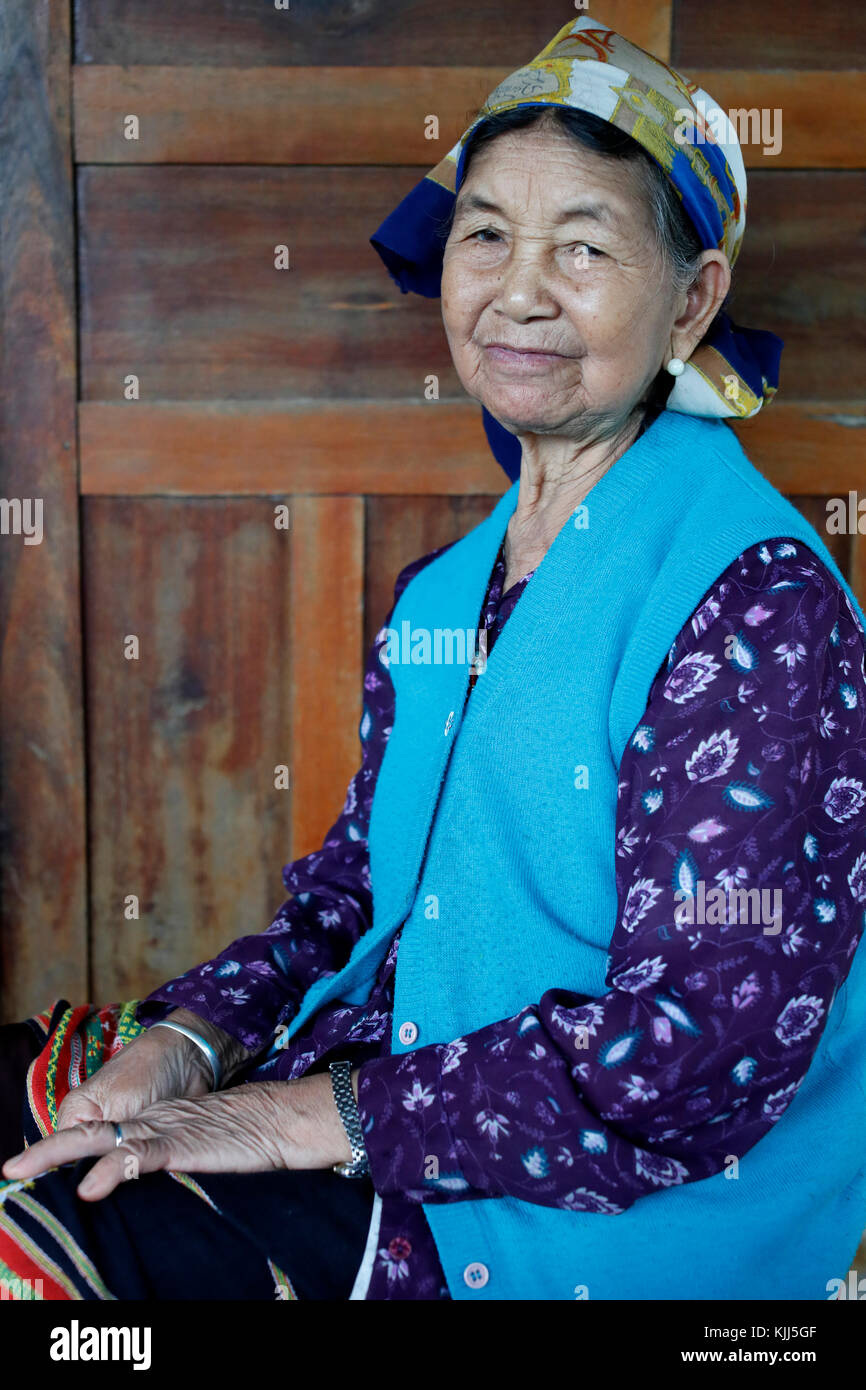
{"x": 556, "y": 474}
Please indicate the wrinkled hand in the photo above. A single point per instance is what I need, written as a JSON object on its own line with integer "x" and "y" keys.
{"x": 158, "y": 1065}
{"x": 251, "y": 1128}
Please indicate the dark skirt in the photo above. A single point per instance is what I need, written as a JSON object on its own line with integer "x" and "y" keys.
{"x": 165, "y": 1236}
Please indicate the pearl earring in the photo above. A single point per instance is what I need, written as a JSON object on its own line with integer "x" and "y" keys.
{"x": 676, "y": 366}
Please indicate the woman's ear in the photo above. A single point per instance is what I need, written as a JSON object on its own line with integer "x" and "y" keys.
{"x": 703, "y": 302}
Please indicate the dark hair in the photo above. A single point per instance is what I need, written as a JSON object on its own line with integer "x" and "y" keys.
{"x": 677, "y": 239}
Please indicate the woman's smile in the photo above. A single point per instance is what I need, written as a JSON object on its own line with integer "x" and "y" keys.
{"x": 522, "y": 360}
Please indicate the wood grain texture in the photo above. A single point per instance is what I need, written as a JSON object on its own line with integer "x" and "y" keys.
{"x": 326, "y": 639}
{"x": 818, "y": 115}
{"x": 809, "y": 448}
{"x": 183, "y": 741}
{"x": 359, "y": 116}
{"x": 814, "y": 509}
{"x": 42, "y": 794}
{"x": 757, "y": 35}
{"x": 275, "y": 115}
{"x": 800, "y": 274}
{"x": 402, "y": 529}
{"x": 320, "y": 32}
{"x": 190, "y": 448}
{"x": 178, "y": 285}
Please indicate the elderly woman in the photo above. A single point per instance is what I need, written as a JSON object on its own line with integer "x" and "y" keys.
{"x": 571, "y": 992}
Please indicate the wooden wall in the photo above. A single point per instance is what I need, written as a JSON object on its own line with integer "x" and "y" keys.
{"x": 153, "y": 258}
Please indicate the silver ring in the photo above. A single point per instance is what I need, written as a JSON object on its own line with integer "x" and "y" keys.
{"x": 118, "y": 1136}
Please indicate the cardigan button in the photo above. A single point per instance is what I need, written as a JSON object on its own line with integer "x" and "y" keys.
{"x": 448, "y": 722}
{"x": 476, "y": 1275}
{"x": 408, "y": 1032}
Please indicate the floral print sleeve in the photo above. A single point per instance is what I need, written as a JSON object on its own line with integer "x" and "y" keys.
{"x": 259, "y": 981}
{"x": 742, "y": 795}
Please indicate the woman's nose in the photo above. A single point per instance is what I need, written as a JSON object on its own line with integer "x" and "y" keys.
{"x": 523, "y": 289}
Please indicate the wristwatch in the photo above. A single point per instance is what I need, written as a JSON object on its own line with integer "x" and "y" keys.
{"x": 347, "y": 1109}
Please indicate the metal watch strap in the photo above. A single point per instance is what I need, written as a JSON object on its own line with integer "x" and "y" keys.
{"x": 347, "y": 1109}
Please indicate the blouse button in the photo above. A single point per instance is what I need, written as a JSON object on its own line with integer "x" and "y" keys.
{"x": 448, "y": 722}
{"x": 476, "y": 1275}
{"x": 408, "y": 1032}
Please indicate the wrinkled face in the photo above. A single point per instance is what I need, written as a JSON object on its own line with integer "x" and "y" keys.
{"x": 556, "y": 302}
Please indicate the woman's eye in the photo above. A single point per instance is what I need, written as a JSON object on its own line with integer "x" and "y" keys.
{"x": 582, "y": 251}
{"x": 485, "y": 232}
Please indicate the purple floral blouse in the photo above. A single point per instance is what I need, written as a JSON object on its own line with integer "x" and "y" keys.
{"x": 747, "y": 769}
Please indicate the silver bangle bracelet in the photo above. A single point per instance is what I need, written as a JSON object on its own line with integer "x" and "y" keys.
{"x": 206, "y": 1048}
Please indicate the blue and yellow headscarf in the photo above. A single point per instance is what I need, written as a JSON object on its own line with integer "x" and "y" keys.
{"x": 587, "y": 66}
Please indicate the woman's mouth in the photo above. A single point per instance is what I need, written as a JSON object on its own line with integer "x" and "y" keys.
{"x": 521, "y": 359}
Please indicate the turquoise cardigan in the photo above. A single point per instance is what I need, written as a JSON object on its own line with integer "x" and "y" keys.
{"x": 565, "y": 687}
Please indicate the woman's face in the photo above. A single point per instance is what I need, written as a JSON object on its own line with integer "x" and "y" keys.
{"x": 557, "y": 304}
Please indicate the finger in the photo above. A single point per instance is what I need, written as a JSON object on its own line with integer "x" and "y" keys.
{"x": 66, "y": 1146}
{"x": 125, "y": 1163}
{"x": 76, "y": 1110}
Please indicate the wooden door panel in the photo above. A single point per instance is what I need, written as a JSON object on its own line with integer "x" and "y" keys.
{"x": 758, "y": 35}
{"x": 178, "y": 286}
{"x": 304, "y": 128}
{"x": 377, "y": 33}
{"x": 43, "y": 887}
{"x": 183, "y": 741}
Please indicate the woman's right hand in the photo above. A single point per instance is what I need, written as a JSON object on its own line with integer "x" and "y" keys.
{"x": 160, "y": 1064}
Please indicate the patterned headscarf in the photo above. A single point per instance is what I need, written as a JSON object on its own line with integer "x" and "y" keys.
{"x": 590, "y": 68}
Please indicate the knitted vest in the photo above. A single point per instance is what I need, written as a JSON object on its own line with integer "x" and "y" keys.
{"x": 494, "y": 784}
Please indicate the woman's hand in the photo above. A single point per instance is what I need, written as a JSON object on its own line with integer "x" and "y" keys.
{"x": 159, "y": 1065}
{"x": 252, "y": 1128}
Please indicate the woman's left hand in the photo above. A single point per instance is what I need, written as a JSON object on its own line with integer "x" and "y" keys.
{"x": 251, "y": 1128}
